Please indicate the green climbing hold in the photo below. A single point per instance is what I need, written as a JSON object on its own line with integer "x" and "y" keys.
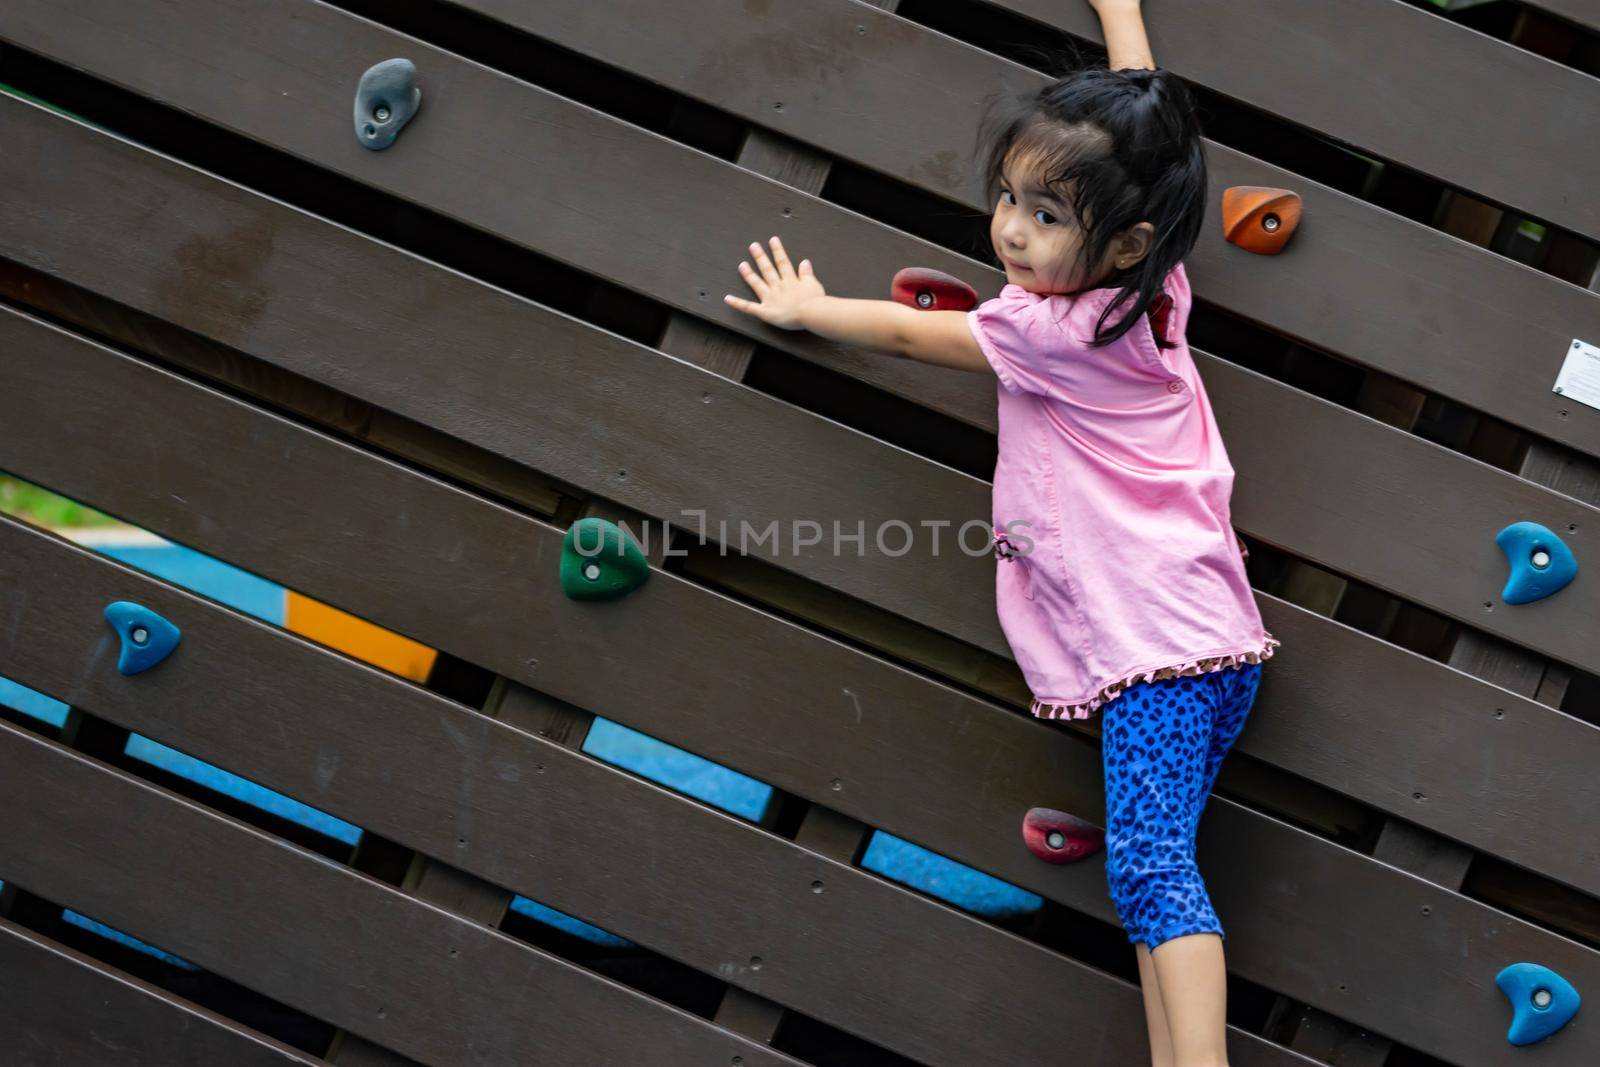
{"x": 600, "y": 562}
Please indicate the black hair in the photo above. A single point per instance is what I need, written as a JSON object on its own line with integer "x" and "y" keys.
{"x": 1117, "y": 147}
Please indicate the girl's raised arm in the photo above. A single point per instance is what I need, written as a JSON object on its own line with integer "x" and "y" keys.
{"x": 793, "y": 299}
{"x": 1123, "y": 26}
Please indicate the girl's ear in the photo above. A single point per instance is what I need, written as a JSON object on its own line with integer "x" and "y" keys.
{"x": 1133, "y": 244}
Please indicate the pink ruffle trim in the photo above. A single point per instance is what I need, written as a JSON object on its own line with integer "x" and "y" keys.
{"x": 1081, "y": 710}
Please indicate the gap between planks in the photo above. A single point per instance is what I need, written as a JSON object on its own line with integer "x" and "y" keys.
{"x": 1403, "y": 844}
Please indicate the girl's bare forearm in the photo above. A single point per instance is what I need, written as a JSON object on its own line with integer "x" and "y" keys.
{"x": 864, "y": 323}
{"x": 1126, "y": 44}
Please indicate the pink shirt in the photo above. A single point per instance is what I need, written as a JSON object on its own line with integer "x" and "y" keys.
{"x": 1119, "y": 563}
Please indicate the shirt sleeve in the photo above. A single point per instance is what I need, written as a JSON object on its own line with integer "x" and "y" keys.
{"x": 1006, "y": 330}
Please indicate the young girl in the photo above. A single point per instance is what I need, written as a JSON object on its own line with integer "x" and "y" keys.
{"x": 1127, "y": 594}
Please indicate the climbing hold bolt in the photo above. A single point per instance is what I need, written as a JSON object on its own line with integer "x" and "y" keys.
{"x": 1259, "y": 218}
{"x": 1056, "y": 837}
{"x": 386, "y": 98}
{"x": 600, "y": 562}
{"x": 147, "y": 638}
{"x": 1542, "y": 1001}
{"x": 926, "y": 289}
{"x": 1541, "y": 563}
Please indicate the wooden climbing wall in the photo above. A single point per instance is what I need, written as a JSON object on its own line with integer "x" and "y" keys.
{"x": 391, "y": 380}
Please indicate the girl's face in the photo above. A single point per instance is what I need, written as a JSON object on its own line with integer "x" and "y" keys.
{"x": 1037, "y": 238}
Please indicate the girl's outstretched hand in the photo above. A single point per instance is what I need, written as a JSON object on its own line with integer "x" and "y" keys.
{"x": 781, "y": 291}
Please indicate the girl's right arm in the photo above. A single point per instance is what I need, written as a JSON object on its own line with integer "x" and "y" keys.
{"x": 792, "y": 299}
{"x": 1123, "y": 27}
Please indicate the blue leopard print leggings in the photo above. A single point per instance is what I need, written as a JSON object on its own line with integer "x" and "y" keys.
{"x": 1161, "y": 745}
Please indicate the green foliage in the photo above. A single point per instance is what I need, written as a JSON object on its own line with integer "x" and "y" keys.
{"x": 44, "y": 508}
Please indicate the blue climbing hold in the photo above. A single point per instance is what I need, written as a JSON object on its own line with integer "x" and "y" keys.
{"x": 147, "y": 638}
{"x": 386, "y": 98}
{"x": 1541, "y": 563}
{"x": 1542, "y": 1001}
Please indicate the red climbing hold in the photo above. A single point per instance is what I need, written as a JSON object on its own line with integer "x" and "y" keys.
{"x": 927, "y": 289}
{"x": 1056, "y": 837}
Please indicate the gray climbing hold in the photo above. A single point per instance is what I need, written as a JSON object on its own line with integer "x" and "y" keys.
{"x": 386, "y": 98}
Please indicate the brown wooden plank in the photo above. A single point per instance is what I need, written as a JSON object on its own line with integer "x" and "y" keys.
{"x": 782, "y": 159}
{"x": 299, "y": 35}
{"x": 458, "y": 892}
{"x": 1400, "y": 843}
{"x": 348, "y": 1050}
{"x": 1474, "y": 823}
{"x": 1486, "y": 657}
{"x": 1404, "y": 514}
{"x": 608, "y": 407}
{"x": 695, "y": 422}
{"x": 317, "y": 935}
{"x": 565, "y": 853}
{"x": 1361, "y": 260}
{"x": 1395, "y": 82}
{"x": 755, "y": 1017}
{"x": 1408, "y": 300}
{"x": 63, "y": 1007}
{"x": 567, "y": 843}
{"x": 687, "y": 337}
{"x": 893, "y": 757}
{"x": 1374, "y": 270}
{"x": 528, "y": 813}
{"x": 1584, "y": 13}
{"x": 1413, "y": 103}
{"x": 443, "y": 557}
{"x": 360, "y": 592}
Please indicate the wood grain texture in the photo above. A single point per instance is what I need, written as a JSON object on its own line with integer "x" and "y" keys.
{"x": 1432, "y": 95}
{"x": 668, "y": 439}
{"x": 441, "y": 551}
{"x": 1581, "y": 12}
{"x": 1395, "y": 82}
{"x": 1390, "y": 293}
{"x": 317, "y": 935}
{"x": 894, "y": 751}
{"x": 63, "y": 1007}
{"x": 1471, "y": 769}
{"x": 524, "y": 812}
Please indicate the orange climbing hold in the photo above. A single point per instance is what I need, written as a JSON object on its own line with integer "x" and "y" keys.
{"x": 1259, "y": 218}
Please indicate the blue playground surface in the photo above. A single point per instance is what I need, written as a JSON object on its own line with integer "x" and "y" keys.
{"x": 725, "y": 788}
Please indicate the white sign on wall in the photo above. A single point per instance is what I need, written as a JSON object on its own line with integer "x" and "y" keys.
{"x": 1580, "y": 374}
